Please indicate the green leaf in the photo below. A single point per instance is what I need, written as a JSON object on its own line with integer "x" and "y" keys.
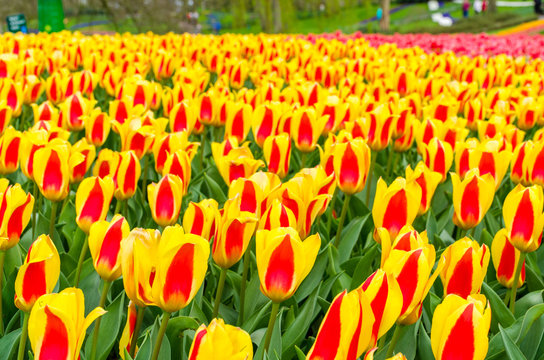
{"x": 408, "y": 340}
{"x": 528, "y": 301}
{"x": 511, "y": 348}
{"x": 109, "y": 329}
{"x": 364, "y": 267}
{"x": 215, "y": 190}
{"x": 500, "y": 312}
{"x": 145, "y": 351}
{"x": 9, "y": 344}
{"x": 349, "y": 237}
{"x": 315, "y": 276}
{"x": 175, "y": 330}
{"x": 424, "y": 349}
{"x": 127, "y": 355}
{"x": 300, "y": 354}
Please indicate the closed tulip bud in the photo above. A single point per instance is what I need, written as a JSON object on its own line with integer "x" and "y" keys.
{"x": 343, "y": 333}
{"x": 535, "y": 164}
{"x": 9, "y": 151}
{"x": 405, "y": 141}
{"x": 412, "y": 269}
{"x": 306, "y": 127}
{"x": 97, "y": 127}
{"x": 438, "y": 156}
{"x": 505, "y": 260}
{"x": 180, "y": 268}
{"x": 395, "y": 206}
{"x": 234, "y": 231}
{"x": 460, "y": 327}
{"x": 277, "y": 154}
{"x": 15, "y": 211}
{"x": 407, "y": 239}
{"x": 74, "y": 109}
{"x": 12, "y": 93}
{"x": 237, "y": 164}
{"x": 93, "y": 198}
{"x": 33, "y": 87}
{"x": 385, "y": 296}
{"x": 335, "y": 109}
{"x": 46, "y": 111}
{"x": 5, "y": 116}
{"x": 472, "y": 197}
{"x": 490, "y": 159}
{"x": 202, "y": 218}
{"x": 379, "y": 124}
{"x": 519, "y": 172}
{"x": 168, "y": 144}
{"x": 250, "y": 193}
{"x": 284, "y": 261}
{"x": 127, "y": 337}
{"x": 523, "y": 217}
{"x": 139, "y": 257}
{"x": 238, "y": 121}
{"x": 207, "y": 109}
{"x": 57, "y": 325}
{"x": 182, "y": 117}
{"x": 52, "y": 171}
{"x": 165, "y": 199}
{"x": 135, "y": 136}
{"x": 474, "y": 112}
{"x": 265, "y": 121}
{"x": 38, "y": 274}
{"x": 106, "y": 163}
{"x": 351, "y": 164}
{"x": 427, "y": 180}
{"x": 55, "y": 87}
{"x": 465, "y": 267}
{"x": 127, "y": 175}
{"x": 105, "y": 244}
{"x": 277, "y": 215}
{"x": 78, "y": 168}
{"x": 219, "y": 340}
{"x": 179, "y": 163}
{"x": 529, "y": 113}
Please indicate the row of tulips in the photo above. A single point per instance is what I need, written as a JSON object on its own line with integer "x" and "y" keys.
{"x": 299, "y": 130}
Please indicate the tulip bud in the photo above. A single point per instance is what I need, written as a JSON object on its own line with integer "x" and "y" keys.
{"x": 460, "y": 327}
{"x": 15, "y": 211}
{"x": 238, "y": 122}
{"x": 238, "y": 163}
{"x": 127, "y": 175}
{"x": 535, "y": 164}
{"x": 351, "y": 165}
{"x": 57, "y": 324}
{"x": 128, "y": 332}
{"x": 83, "y": 154}
{"x": 5, "y": 115}
{"x": 105, "y": 244}
{"x": 283, "y": 261}
{"x": 93, "y": 198}
{"x": 179, "y": 163}
{"x": 505, "y": 260}
{"x": 9, "y": 151}
{"x": 74, "y": 109}
{"x": 519, "y": 172}
{"x": 265, "y": 121}
{"x": 379, "y": 125}
{"x": 395, "y": 206}
{"x": 277, "y": 154}
{"x": 427, "y": 180}
{"x": 182, "y": 117}
{"x": 465, "y": 267}
{"x": 277, "y": 215}
{"x": 165, "y": 199}
{"x": 523, "y": 217}
{"x": 472, "y": 197}
{"x": 202, "y": 218}
{"x": 97, "y": 127}
{"x": 181, "y": 266}
{"x": 106, "y": 163}
{"x": 438, "y": 156}
{"x": 306, "y": 127}
{"x": 219, "y": 340}
{"x": 38, "y": 274}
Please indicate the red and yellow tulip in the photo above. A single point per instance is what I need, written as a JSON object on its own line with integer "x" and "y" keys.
{"x": 93, "y": 198}
{"x": 472, "y": 197}
{"x": 165, "y": 199}
{"x": 351, "y": 165}
{"x": 506, "y": 259}
{"x": 202, "y": 218}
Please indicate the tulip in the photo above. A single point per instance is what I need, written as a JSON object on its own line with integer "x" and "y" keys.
{"x": 343, "y": 332}
{"x": 105, "y": 244}
{"x": 207, "y": 109}
{"x": 465, "y": 267}
{"x": 74, "y": 109}
{"x": 529, "y": 113}
{"x": 51, "y": 171}
{"x": 15, "y": 211}
{"x": 265, "y": 121}
{"x": 170, "y": 143}
{"x": 385, "y": 296}
{"x": 379, "y": 124}
{"x": 87, "y": 152}
{"x": 412, "y": 269}
{"x": 519, "y": 172}
{"x": 335, "y": 109}
{"x": 5, "y": 115}
{"x": 55, "y": 87}
{"x": 427, "y": 180}
{"x": 182, "y": 117}
{"x": 460, "y": 327}
{"x": 106, "y": 163}
{"x": 123, "y": 110}
{"x": 237, "y": 164}
{"x": 238, "y": 122}
{"x": 306, "y": 127}
{"x": 201, "y": 218}
{"x": 219, "y": 340}
{"x": 127, "y": 337}
{"x": 93, "y": 199}
{"x": 351, "y": 165}
{"x": 30, "y": 142}
{"x": 9, "y": 151}
{"x": 135, "y": 136}
{"x": 472, "y": 197}
{"x": 276, "y": 216}
{"x": 179, "y": 163}
{"x": 277, "y": 154}
{"x": 126, "y": 175}
{"x": 57, "y": 325}
{"x": 12, "y": 93}
{"x": 165, "y": 199}
{"x": 506, "y": 259}
{"x": 534, "y": 163}
{"x": 395, "y": 206}
{"x": 97, "y": 127}
{"x": 438, "y": 156}
{"x": 490, "y": 159}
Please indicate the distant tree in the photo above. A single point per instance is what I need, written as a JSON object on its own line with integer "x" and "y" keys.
{"x": 384, "y": 22}
{"x": 238, "y": 13}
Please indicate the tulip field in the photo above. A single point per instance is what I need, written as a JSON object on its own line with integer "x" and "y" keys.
{"x": 332, "y": 197}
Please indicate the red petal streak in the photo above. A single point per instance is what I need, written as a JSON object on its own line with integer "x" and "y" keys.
{"x": 349, "y": 169}
{"x": 179, "y": 279}
{"x": 280, "y": 273}
{"x": 523, "y": 222}
{"x": 55, "y": 341}
{"x": 34, "y": 284}
{"x": 395, "y": 215}
{"x": 460, "y": 282}
{"x": 460, "y": 342}
{"x": 408, "y": 279}
{"x": 470, "y": 203}
{"x": 111, "y": 245}
{"x": 327, "y": 342}
{"x": 164, "y": 203}
{"x": 92, "y": 208}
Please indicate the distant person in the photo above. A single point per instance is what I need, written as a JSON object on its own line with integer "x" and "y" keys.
{"x": 484, "y": 5}
{"x": 477, "y": 6}
{"x": 466, "y": 8}
{"x": 538, "y": 7}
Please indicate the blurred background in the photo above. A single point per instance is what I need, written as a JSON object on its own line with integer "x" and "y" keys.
{"x": 274, "y": 16}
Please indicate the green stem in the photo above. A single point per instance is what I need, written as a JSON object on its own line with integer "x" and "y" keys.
{"x": 118, "y": 207}
{"x": 506, "y": 299}
{"x": 247, "y": 259}
{"x": 373, "y": 157}
{"x": 220, "y": 287}
{"x": 22, "y": 340}
{"x": 342, "y": 219}
{"x": 399, "y": 329}
{"x": 102, "y": 303}
{"x": 139, "y": 320}
{"x": 381, "y": 342}
{"x": 54, "y": 206}
{"x": 2, "y": 257}
{"x": 81, "y": 259}
{"x": 303, "y": 160}
{"x": 202, "y": 147}
{"x": 462, "y": 233}
{"x": 144, "y": 179}
{"x": 390, "y": 161}
{"x": 271, "y": 322}
{"x": 125, "y": 209}
{"x": 333, "y": 202}
{"x": 516, "y": 280}
{"x": 160, "y": 335}
{"x": 35, "y": 211}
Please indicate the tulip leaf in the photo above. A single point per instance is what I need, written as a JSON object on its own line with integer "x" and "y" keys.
{"x": 534, "y": 280}
{"x": 424, "y": 349}
{"x": 12, "y": 260}
{"x": 145, "y": 351}
{"x": 364, "y": 267}
{"x": 109, "y": 329}
{"x": 501, "y": 313}
{"x": 528, "y": 301}
{"x": 406, "y": 344}
{"x": 349, "y": 237}
{"x": 215, "y": 190}
{"x": 300, "y": 353}
{"x": 296, "y": 332}
{"x": 512, "y": 350}
{"x": 251, "y": 324}
{"x": 530, "y": 343}
{"x": 9, "y": 344}
{"x": 175, "y": 330}
{"x": 315, "y": 276}
{"x": 127, "y": 355}
{"x": 254, "y": 302}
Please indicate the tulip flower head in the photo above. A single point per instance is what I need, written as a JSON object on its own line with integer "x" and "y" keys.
{"x": 93, "y": 198}
{"x": 351, "y": 165}
{"x": 505, "y": 260}
{"x": 15, "y": 211}
{"x": 165, "y": 199}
